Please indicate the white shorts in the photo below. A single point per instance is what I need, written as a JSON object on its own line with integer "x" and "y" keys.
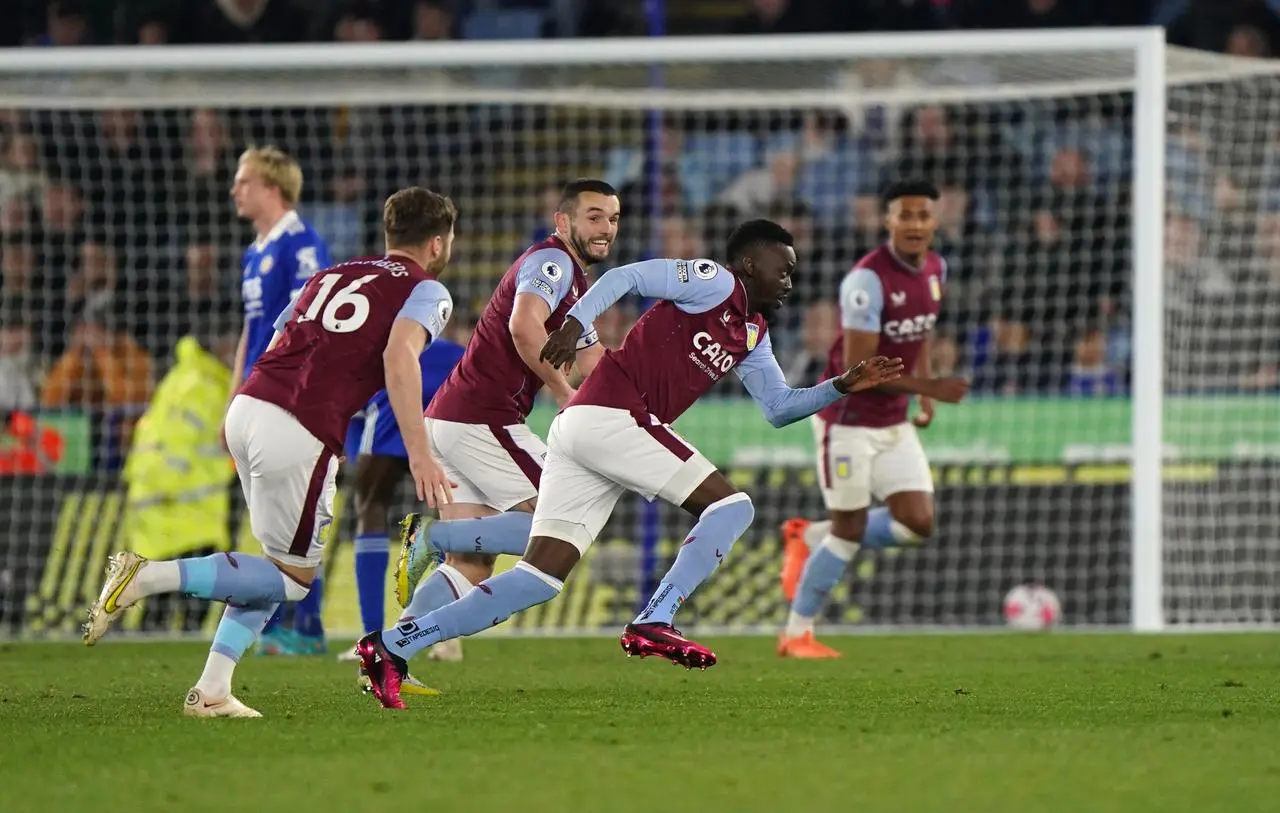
{"x": 597, "y": 453}
{"x": 856, "y": 463}
{"x": 288, "y": 478}
{"x": 495, "y": 466}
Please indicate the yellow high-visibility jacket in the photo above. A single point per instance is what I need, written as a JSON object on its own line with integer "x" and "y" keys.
{"x": 177, "y": 474}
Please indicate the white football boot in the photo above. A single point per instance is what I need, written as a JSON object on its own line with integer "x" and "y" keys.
{"x": 119, "y": 592}
{"x": 197, "y": 705}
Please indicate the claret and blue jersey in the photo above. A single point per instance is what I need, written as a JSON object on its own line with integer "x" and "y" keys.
{"x": 274, "y": 269}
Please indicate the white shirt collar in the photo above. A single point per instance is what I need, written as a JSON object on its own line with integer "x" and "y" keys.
{"x": 287, "y": 220}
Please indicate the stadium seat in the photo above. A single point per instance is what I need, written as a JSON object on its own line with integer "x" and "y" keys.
{"x": 510, "y": 24}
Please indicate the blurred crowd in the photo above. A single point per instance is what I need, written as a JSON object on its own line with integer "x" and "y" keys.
{"x": 1217, "y": 25}
{"x": 118, "y": 237}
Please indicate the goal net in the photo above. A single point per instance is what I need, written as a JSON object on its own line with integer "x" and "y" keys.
{"x": 118, "y": 238}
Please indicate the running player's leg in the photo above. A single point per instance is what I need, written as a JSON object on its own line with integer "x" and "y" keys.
{"x": 497, "y": 470}
{"x": 573, "y": 507}
{"x": 901, "y": 477}
{"x": 664, "y": 465}
{"x": 288, "y": 479}
{"x": 374, "y": 481}
{"x": 846, "y": 456}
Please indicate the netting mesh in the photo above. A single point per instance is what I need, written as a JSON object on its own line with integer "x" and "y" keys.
{"x": 118, "y": 238}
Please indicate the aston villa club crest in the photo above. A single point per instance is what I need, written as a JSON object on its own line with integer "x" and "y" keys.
{"x": 935, "y": 288}
{"x": 753, "y": 336}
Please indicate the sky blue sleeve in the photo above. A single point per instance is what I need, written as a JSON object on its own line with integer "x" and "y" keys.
{"x": 695, "y": 286}
{"x": 861, "y": 300}
{"x": 287, "y": 313}
{"x": 430, "y": 306}
{"x": 547, "y": 272}
{"x": 767, "y": 386}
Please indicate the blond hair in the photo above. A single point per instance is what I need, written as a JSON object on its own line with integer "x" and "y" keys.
{"x": 276, "y": 168}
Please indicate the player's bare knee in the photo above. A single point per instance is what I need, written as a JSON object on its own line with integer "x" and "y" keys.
{"x": 912, "y": 515}
{"x": 475, "y": 567}
{"x": 297, "y": 580}
{"x": 710, "y": 491}
{"x": 554, "y": 557}
{"x": 371, "y": 516}
{"x": 919, "y": 521}
{"x": 849, "y": 524}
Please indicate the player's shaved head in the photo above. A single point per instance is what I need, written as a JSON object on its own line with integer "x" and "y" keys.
{"x": 762, "y": 254}
{"x": 574, "y": 190}
{"x": 753, "y": 235}
{"x": 415, "y": 215}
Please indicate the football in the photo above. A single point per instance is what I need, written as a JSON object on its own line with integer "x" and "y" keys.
{"x": 1032, "y": 607}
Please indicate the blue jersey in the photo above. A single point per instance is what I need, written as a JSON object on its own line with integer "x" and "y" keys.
{"x": 374, "y": 431}
{"x": 275, "y": 268}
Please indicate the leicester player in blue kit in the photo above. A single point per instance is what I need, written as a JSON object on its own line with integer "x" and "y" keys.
{"x": 286, "y": 253}
{"x": 380, "y": 461}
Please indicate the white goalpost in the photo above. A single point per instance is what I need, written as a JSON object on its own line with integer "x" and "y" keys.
{"x": 1108, "y": 215}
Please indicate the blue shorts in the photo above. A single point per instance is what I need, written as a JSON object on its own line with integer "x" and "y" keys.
{"x": 374, "y": 431}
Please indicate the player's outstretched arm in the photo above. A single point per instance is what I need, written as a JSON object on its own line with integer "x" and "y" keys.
{"x": 783, "y": 405}
{"x": 675, "y": 280}
{"x": 424, "y": 316}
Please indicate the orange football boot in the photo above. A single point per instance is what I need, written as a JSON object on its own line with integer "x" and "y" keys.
{"x": 806, "y": 647}
{"x": 795, "y": 553}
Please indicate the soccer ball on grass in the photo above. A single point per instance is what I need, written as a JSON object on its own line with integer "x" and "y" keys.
{"x": 1032, "y": 607}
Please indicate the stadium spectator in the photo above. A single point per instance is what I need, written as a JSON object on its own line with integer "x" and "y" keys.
{"x": 818, "y": 330}
{"x": 243, "y": 21}
{"x": 20, "y": 175}
{"x": 66, "y": 24}
{"x": 101, "y": 367}
{"x": 433, "y": 20}
{"x": 17, "y": 358}
{"x": 776, "y": 17}
{"x": 1090, "y": 375}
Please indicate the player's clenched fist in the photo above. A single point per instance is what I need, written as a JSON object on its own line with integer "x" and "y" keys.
{"x": 869, "y": 374}
{"x": 561, "y": 345}
{"x": 430, "y": 481}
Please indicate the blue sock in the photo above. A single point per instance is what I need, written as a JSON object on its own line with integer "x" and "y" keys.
{"x": 239, "y": 628}
{"x": 492, "y": 602}
{"x": 234, "y": 578}
{"x": 372, "y": 557}
{"x": 879, "y": 533}
{"x": 822, "y": 572}
{"x": 507, "y": 532}
{"x": 444, "y": 586}
{"x": 306, "y": 613}
{"x": 274, "y": 621}
{"x": 710, "y": 540}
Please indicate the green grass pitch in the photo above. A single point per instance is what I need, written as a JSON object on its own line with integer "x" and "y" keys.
{"x": 983, "y": 723}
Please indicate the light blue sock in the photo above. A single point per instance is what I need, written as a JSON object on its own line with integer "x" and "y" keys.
{"x": 879, "y": 533}
{"x": 822, "y": 572}
{"x": 373, "y": 554}
{"x": 710, "y": 541}
{"x": 239, "y": 628}
{"x": 507, "y": 532}
{"x": 492, "y": 602}
{"x": 234, "y": 578}
{"x": 444, "y": 586}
